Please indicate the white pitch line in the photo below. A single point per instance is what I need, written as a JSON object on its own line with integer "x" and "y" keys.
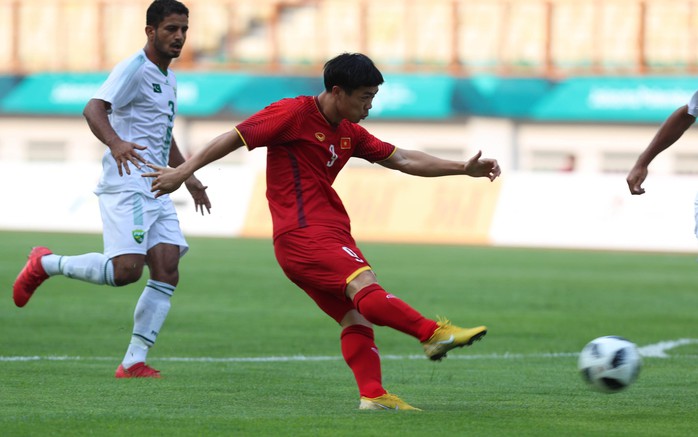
{"x": 657, "y": 350}
{"x": 280, "y": 359}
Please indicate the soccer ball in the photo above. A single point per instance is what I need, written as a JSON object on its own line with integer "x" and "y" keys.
{"x": 610, "y": 364}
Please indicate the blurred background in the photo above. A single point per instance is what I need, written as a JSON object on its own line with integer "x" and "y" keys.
{"x": 564, "y": 93}
{"x": 549, "y": 38}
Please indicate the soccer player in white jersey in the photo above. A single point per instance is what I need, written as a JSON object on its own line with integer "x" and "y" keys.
{"x": 668, "y": 133}
{"x": 133, "y": 114}
{"x": 673, "y": 128}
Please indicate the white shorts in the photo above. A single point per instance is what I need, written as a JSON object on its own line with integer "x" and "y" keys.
{"x": 133, "y": 223}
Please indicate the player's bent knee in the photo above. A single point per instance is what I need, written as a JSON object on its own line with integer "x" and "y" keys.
{"x": 363, "y": 280}
{"x": 128, "y": 269}
{"x": 354, "y": 318}
{"x": 127, "y": 276}
{"x": 120, "y": 282}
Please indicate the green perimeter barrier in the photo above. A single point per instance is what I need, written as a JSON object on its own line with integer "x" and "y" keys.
{"x": 401, "y": 97}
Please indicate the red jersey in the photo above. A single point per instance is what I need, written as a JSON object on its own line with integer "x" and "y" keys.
{"x": 304, "y": 155}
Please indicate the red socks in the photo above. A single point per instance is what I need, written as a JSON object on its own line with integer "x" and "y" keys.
{"x": 358, "y": 348}
{"x": 383, "y": 309}
{"x": 361, "y": 354}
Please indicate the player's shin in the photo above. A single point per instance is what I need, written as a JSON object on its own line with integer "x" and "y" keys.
{"x": 361, "y": 355}
{"x": 148, "y": 318}
{"x": 95, "y": 268}
{"x": 384, "y": 309}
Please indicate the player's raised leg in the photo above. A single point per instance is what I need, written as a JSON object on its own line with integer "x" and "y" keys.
{"x": 94, "y": 268}
{"x": 384, "y": 309}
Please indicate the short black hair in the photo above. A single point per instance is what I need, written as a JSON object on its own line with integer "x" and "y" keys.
{"x": 350, "y": 71}
{"x": 160, "y": 9}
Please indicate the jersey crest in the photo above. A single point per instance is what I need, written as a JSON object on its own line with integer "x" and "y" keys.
{"x": 138, "y": 235}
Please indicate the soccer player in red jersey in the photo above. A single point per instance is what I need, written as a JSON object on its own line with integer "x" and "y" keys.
{"x": 309, "y": 139}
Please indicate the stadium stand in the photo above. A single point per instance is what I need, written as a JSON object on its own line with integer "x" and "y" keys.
{"x": 533, "y": 37}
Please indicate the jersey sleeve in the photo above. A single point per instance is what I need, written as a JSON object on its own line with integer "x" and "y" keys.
{"x": 371, "y": 148}
{"x": 693, "y": 105}
{"x": 122, "y": 85}
{"x": 273, "y": 125}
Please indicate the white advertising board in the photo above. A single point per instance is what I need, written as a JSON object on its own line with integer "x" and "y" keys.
{"x": 561, "y": 210}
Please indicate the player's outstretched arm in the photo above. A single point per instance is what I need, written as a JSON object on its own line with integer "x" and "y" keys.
{"x": 669, "y": 132}
{"x": 167, "y": 180}
{"x": 419, "y": 163}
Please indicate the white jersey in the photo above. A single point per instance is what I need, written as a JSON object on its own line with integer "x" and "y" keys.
{"x": 143, "y": 106}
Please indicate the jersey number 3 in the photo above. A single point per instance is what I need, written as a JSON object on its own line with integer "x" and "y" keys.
{"x": 333, "y": 158}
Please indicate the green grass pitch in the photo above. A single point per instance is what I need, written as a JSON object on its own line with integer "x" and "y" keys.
{"x": 244, "y": 352}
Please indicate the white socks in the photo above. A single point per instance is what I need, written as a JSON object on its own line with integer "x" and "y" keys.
{"x": 148, "y": 318}
{"x": 90, "y": 267}
{"x": 151, "y": 309}
{"x": 135, "y": 353}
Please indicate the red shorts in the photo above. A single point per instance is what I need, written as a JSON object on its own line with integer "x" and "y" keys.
{"x": 321, "y": 261}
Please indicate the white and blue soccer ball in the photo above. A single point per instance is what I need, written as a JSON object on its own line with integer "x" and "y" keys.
{"x": 610, "y": 364}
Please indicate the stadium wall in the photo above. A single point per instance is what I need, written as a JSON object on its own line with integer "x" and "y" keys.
{"x": 588, "y": 211}
{"x": 564, "y": 146}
